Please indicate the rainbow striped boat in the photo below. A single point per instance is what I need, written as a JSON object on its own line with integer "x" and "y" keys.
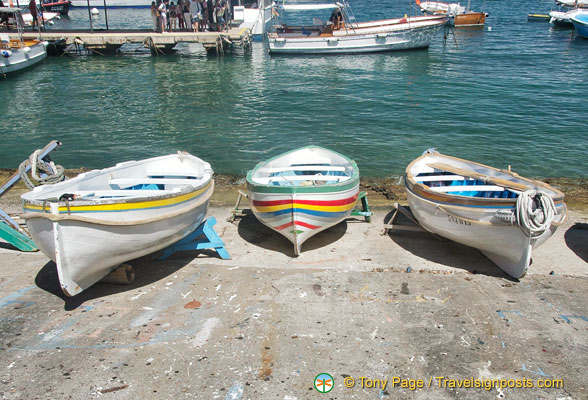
{"x": 496, "y": 211}
{"x": 91, "y": 224}
{"x": 303, "y": 192}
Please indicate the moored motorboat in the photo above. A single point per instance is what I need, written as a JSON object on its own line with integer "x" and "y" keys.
{"x": 563, "y": 18}
{"x": 303, "y": 192}
{"x": 56, "y": 6}
{"x": 496, "y": 211}
{"x": 457, "y": 14}
{"x": 580, "y": 22}
{"x": 111, "y": 3}
{"x": 343, "y": 34}
{"x": 18, "y": 53}
{"x": 94, "y": 222}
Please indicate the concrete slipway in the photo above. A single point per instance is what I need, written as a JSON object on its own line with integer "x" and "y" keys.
{"x": 264, "y": 324}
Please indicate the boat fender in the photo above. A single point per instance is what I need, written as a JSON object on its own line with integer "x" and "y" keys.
{"x": 26, "y": 50}
{"x": 6, "y": 53}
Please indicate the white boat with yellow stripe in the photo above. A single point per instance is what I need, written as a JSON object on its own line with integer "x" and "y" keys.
{"x": 92, "y": 223}
{"x": 496, "y": 211}
{"x": 303, "y": 192}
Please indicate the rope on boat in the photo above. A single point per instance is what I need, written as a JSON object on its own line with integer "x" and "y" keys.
{"x": 53, "y": 173}
{"x": 535, "y": 211}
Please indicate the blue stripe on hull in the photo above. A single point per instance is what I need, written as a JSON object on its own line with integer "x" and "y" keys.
{"x": 304, "y": 211}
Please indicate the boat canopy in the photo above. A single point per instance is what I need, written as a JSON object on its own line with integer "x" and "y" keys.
{"x": 311, "y": 7}
{"x": 10, "y": 9}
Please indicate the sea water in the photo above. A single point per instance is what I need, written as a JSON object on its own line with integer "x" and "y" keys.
{"x": 513, "y": 93}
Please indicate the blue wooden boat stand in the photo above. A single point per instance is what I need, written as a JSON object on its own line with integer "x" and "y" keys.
{"x": 365, "y": 212}
{"x": 204, "y": 237}
{"x": 10, "y": 230}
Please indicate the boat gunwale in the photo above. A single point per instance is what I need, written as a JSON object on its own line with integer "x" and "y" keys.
{"x": 199, "y": 201}
{"x": 332, "y": 187}
{"x": 28, "y": 198}
{"x": 415, "y": 187}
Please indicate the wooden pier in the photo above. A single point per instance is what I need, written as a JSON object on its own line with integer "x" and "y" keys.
{"x": 108, "y": 41}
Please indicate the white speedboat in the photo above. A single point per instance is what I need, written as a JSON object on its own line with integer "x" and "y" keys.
{"x": 342, "y": 34}
{"x": 257, "y": 17}
{"x": 303, "y": 192}
{"x": 92, "y": 223}
{"x": 111, "y": 3}
{"x": 563, "y": 18}
{"x": 18, "y": 53}
{"x": 496, "y": 211}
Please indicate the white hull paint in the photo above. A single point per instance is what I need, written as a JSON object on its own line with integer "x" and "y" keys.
{"x": 101, "y": 234}
{"x": 21, "y": 59}
{"x": 112, "y": 3}
{"x": 505, "y": 245}
{"x": 368, "y": 37}
{"x": 467, "y": 202}
{"x": 257, "y": 20}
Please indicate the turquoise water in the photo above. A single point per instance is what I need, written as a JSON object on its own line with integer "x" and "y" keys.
{"x": 514, "y": 94}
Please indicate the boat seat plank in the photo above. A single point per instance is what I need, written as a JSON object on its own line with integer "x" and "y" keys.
{"x": 303, "y": 168}
{"x": 126, "y": 182}
{"x": 468, "y": 188}
{"x": 121, "y": 193}
{"x": 281, "y": 178}
{"x": 439, "y": 178}
{"x": 483, "y": 177}
{"x": 173, "y": 173}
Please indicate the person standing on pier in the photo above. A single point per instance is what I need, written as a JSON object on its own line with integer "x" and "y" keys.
{"x": 186, "y": 14}
{"x": 180, "y": 14}
{"x": 154, "y": 16}
{"x": 204, "y": 21}
{"x": 163, "y": 16}
{"x": 195, "y": 13}
{"x": 34, "y": 13}
{"x": 173, "y": 16}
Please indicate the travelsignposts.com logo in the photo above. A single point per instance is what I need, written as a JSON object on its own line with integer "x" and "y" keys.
{"x": 323, "y": 383}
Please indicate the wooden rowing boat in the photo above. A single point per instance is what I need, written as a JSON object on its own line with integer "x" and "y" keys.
{"x": 496, "y": 211}
{"x": 92, "y": 223}
{"x": 303, "y": 192}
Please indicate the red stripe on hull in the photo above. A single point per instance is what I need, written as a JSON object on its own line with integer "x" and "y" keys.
{"x": 304, "y": 224}
{"x": 341, "y": 202}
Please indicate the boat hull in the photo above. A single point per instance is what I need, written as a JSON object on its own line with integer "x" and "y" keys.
{"x": 86, "y": 252}
{"x": 505, "y": 245}
{"x": 477, "y": 221}
{"x": 299, "y": 216}
{"x": 303, "y": 192}
{"x": 580, "y": 22}
{"x": 468, "y": 19}
{"x": 21, "y": 59}
{"x": 61, "y": 7}
{"x": 364, "y": 39}
{"x": 91, "y": 224}
{"x": 111, "y": 4}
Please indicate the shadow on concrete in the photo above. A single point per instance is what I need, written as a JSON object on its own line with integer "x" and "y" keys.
{"x": 8, "y": 246}
{"x": 254, "y": 232}
{"x": 443, "y": 251}
{"x": 577, "y": 240}
{"x": 147, "y": 271}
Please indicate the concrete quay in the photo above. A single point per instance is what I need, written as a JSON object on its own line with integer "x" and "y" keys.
{"x": 399, "y": 308}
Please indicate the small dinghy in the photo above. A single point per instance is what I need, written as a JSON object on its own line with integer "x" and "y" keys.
{"x": 303, "y": 192}
{"x": 91, "y": 224}
{"x": 496, "y": 211}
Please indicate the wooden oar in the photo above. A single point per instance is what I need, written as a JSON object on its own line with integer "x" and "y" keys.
{"x": 485, "y": 178}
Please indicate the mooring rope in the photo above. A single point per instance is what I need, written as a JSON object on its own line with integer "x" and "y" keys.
{"x": 535, "y": 211}
{"x": 53, "y": 173}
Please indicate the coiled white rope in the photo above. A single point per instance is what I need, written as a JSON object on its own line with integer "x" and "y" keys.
{"x": 535, "y": 211}
{"x": 53, "y": 173}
